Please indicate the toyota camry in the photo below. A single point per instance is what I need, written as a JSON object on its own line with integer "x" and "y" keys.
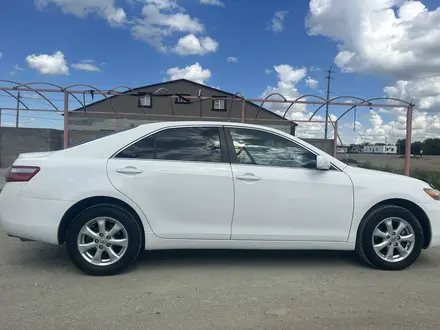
{"x": 213, "y": 185}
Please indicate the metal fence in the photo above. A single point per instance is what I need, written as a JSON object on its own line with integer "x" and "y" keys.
{"x": 123, "y": 120}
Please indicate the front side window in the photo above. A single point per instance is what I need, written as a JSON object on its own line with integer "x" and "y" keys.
{"x": 189, "y": 144}
{"x": 264, "y": 148}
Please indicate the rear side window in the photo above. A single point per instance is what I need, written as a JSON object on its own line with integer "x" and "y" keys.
{"x": 189, "y": 144}
{"x": 143, "y": 149}
{"x": 200, "y": 144}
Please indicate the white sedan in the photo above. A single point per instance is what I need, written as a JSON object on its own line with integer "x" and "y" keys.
{"x": 213, "y": 185}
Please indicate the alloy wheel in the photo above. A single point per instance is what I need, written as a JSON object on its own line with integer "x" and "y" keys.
{"x": 102, "y": 241}
{"x": 393, "y": 239}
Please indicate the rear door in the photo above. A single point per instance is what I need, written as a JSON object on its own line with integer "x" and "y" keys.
{"x": 182, "y": 180}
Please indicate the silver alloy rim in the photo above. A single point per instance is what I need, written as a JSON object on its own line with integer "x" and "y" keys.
{"x": 393, "y": 239}
{"x": 102, "y": 241}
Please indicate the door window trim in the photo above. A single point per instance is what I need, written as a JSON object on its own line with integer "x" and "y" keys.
{"x": 233, "y": 155}
{"x": 225, "y": 157}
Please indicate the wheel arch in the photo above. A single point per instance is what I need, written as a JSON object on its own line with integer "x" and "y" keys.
{"x": 85, "y": 203}
{"x": 411, "y": 207}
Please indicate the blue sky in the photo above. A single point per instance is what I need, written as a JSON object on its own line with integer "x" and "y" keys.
{"x": 125, "y": 41}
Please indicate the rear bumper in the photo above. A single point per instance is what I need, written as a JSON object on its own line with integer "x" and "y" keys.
{"x": 30, "y": 218}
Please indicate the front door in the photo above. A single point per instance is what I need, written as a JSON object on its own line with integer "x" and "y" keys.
{"x": 281, "y": 196}
{"x": 181, "y": 180}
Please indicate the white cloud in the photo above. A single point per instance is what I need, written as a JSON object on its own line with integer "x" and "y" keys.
{"x": 163, "y": 4}
{"x": 193, "y": 72}
{"x": 161, "y": 19}
{"x": 86, "y": 65}
{"x": 232, "y": 59}
{"x": 424, "y": 92}
{"x": 212, "y": 3}
{"x": 311, "y": 83}
{"x": 268, "y": 71}
{"x": 395, "y": 37}
{"x": 288, "y": 77}
{"x": 277, "y": 23}
{"x": 103, "y": 8}
{"x": 314, "y": 68}
{"x": 191, "y": 45}
{"x": 18, "y": 68}
{"x": 424, "y": 126}
{"x": 54, "y": 64}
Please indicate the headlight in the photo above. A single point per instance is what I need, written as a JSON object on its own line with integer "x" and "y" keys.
{"x": 434, "y": 193}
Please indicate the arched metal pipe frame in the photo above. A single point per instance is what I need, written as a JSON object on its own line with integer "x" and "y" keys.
{"x": 16, "y": 97}
{"x": 299, "y": 98}
{"x": 341, "y": 97}
{"x": 134, "y": 93}
{"x": 18, "y": 85}
{"x": 95, "y": 89}
{"x": 66, "y": 91}
{"x": 244, "y": 105}
{"x": 170, "y": 98}
{"x": 267, "y": 98}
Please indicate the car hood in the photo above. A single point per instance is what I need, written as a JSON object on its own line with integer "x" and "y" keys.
{"x": 381, "y": 175}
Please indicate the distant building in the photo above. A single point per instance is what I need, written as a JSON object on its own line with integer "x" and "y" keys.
{"x": 389, "y": 149}
{"x": 342, "y": 149}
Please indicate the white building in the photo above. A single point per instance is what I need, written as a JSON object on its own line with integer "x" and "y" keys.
{"x": 389, "y": 149}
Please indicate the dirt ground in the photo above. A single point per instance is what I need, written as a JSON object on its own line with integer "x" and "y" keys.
{"x": 41, "y": 289}
{"x": 428, "y": 163}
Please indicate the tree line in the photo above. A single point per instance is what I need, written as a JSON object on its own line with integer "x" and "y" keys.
{"x": 428, "y": 146}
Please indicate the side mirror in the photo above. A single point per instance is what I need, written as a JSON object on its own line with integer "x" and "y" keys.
{"x": 322, "y": 163}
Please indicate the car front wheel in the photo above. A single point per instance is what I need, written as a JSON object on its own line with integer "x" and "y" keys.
{"x": 103, "y": 240}
{"x": 390, "y": 238}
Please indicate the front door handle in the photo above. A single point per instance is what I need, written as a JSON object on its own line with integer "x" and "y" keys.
{"x": 129, "y": 170}
{"x": 248, "y": 177}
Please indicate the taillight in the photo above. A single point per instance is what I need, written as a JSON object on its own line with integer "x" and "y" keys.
{"x": 21, "y": 173}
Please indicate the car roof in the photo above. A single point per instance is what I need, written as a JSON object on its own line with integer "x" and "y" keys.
{"x": 199, "y": 123}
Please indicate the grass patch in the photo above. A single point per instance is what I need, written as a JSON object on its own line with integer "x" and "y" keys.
{"x": 433, "y": 177}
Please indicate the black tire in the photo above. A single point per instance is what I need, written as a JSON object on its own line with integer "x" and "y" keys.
{"x": 105, "y": 210}
{"x": 364, "y": 244}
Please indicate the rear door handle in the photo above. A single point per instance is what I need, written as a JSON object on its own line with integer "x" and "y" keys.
{"x": 129, "y": 170}
{"x": 248, "y": 177}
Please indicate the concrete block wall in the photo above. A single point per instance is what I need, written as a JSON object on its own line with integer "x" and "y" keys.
{"x": 14, "y": 141}
{"x": 325, "y": 145}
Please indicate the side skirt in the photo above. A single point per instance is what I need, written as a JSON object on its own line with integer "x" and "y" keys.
{"x": 152, "y": 242}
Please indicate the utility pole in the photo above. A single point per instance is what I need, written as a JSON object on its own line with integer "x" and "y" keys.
{"x": 329, "y": 77}
{"x": 18, "y": 110}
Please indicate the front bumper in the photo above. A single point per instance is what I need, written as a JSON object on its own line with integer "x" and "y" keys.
{"x": 432, "y": 210}
{"x": 30, "y": 218}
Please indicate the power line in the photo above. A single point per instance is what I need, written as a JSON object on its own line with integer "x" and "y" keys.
{"x": 9, "y": 114}
{"x": 41, "y": 99}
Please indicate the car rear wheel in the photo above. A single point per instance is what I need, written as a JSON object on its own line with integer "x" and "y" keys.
{"x": 103, "y": 240}
{"x": 390, "y": 238}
